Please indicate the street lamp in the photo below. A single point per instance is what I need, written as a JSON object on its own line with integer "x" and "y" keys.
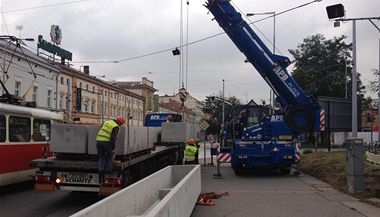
{"x": 223, "y": 114}
{"x": 273, "y": 14}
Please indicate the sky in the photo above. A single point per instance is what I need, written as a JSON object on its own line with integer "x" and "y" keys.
{"x": 100, "y": 33}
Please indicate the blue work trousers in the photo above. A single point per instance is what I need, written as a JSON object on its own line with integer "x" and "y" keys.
{"x": 106, "y": 156}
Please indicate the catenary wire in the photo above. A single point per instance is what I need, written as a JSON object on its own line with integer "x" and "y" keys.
{"x": 194, "y": 42}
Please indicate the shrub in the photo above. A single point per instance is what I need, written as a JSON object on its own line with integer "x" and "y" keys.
{"x": 307, "y": 151}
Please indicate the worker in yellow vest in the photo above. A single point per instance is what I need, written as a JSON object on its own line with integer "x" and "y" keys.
{"x": 105, "y": 144}
{"x": 191, "y": 152}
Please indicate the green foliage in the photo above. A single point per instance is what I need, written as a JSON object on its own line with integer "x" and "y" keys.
{"x": 214, "y": 109}
{"x": 374, "y": 85}
{"x": 320, "y": 66}
{"x": 307, "y": 151}
{"x": 367, "y": 103}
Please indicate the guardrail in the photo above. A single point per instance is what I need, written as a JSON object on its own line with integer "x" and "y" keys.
{"x": 172, "y": 191}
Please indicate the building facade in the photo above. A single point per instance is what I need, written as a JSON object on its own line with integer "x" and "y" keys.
{"x": 49, "y": 85}
{"x": 144, "y": 88}
{"x": 28, "y": 76}
{"x": 89, "y": 100}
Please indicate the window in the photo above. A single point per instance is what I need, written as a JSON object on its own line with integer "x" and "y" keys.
{"x": 113, "y": 111}
{"x": 93, "y": 107}
{"x": 85, "y": 106}
{"x": 17, "y": 88}
{"x": 48, "y": 101}
{"x": 80, "y": 85}
{"x": 93, "y": 89}
{"x": 105, "y": 93}
{"x": 19, "y": 129}
{"x": 41, "y": 130}
{"x": 111, "y": 95}
{"x": 60, "y": 101}
{"x": 68, "y": 82}
{"x": 34, "y": 94}
{"x": 62, "y": 80}
{"x": 2, "y": 128}
{"x": 86, "y": 86}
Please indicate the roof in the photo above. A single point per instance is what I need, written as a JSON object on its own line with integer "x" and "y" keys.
{"x": 133, "y": 85}
{"x": 32, "y": 57}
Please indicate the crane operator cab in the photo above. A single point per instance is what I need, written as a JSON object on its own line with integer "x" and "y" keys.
{"x": 242, "y": 119}
{"x": 253, "y": 122}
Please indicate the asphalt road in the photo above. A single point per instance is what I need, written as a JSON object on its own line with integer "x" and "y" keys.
{"x": 26, "y": 202}
{"x": 274, "y": 195}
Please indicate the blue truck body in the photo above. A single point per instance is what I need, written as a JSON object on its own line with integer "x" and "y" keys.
{"x": 258, "y": 138}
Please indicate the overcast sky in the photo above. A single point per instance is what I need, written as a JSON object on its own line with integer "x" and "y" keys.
{"x": 107, "y": 30}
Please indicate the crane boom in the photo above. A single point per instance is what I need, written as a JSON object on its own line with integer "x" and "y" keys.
{"x": 270, "y": 66}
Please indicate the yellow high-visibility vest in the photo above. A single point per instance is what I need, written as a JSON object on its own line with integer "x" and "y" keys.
{"x": 190, "y": 152}
{"x": 104, "y": 133}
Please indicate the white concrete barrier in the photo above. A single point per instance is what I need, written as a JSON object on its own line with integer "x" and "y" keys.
{"x": 340, "y": 137}
{"x": 373, "y": 158}
{"x": 170, "y": 192}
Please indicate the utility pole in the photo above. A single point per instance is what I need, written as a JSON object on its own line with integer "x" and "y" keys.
{"x": 222, "y": 145}
{"x": 273, "y": 14}
{"x": 378, "y": 96}
{"x": 354, "y": 84}
{"x": 355, "y": 149}
{"x": 68, "y": 103}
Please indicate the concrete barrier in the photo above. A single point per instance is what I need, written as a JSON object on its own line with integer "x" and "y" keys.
{"x": 373, "y": 158}
{"x": 170, "y": 192}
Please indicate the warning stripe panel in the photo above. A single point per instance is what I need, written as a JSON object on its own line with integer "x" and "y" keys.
{"x": 224, "y": 158}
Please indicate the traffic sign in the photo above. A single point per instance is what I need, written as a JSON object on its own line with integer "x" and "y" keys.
{"x": 204, "y": 125}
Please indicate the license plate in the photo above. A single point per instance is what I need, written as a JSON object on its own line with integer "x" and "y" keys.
{"x": 79, "y": 178}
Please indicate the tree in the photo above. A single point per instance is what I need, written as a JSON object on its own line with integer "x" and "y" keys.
{"x": 320, "y": 67}
{"x": 374, "y": 85}
{"x": 213, "y": 108}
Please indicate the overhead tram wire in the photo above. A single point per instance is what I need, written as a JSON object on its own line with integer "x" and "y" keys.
{"x": 187, "y": 41}
{"x": 44, "y": 6}
{"x": 180, "y": 81}
{"x": 196, "y": 41}
{"x": 5, "y": 23}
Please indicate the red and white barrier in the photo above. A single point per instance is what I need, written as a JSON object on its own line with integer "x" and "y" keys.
{"x": 322, "y": 120}
{"x": 224, "y": 157}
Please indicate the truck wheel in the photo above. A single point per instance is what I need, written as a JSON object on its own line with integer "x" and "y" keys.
{"x": 285, "y": 170}
{"x": 238, "y": 170}
{"x": 300, "y": 119}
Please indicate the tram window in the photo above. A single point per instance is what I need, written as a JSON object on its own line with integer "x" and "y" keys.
{"x": 19, "y": 129}
{"x": 2, "y": 128}
{"x": 41, "y": 130}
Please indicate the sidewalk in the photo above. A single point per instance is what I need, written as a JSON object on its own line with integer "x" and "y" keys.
{"x": 276, "y": 196}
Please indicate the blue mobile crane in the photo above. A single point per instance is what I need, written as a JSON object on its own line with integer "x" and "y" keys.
{"x": 258, "y": 138}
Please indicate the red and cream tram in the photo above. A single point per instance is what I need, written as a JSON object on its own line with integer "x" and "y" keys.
{"x": 24, "y": 136}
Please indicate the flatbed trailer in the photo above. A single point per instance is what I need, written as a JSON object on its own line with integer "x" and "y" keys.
{"x": 82, "y": 175}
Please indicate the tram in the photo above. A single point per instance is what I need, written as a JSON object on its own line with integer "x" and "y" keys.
{"x": 24, "y": 136}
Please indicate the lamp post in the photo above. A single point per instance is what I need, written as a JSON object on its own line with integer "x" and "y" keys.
{"x": 355, "y": 161}
{"x": 354, "y": 84}
{"x": 378, "y": 103}
{"x": 273, "y": 14}
{"x": 223, "y": 115}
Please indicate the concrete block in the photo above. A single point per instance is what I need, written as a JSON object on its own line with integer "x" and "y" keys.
{"x": 132, "y": 140}
{"x": 175, "y": 131}
{"x": 69, "y": 138}
{"x": 170, "y": 192}
{"x": 137, "y": 140}
{"x": 92, "y": 133}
